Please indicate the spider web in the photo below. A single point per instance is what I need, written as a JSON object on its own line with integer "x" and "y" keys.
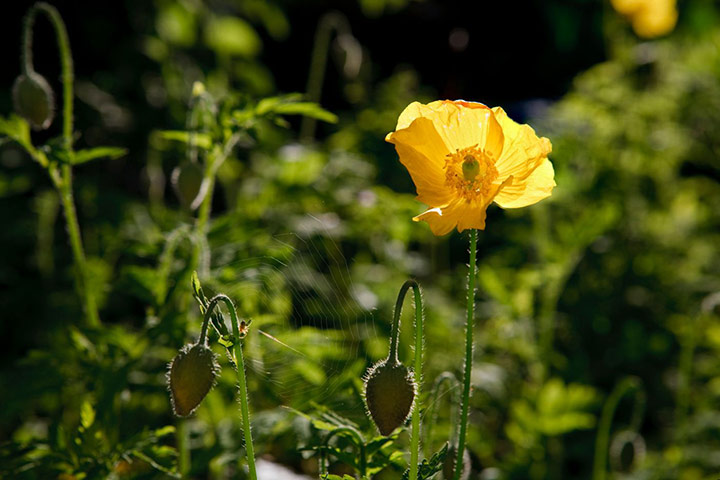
{"x": 309, "y": 322}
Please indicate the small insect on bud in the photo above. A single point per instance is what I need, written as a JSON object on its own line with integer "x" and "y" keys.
{"x": 34, "y": 100}
{"x": 187, "y": 180}
{"x": 191, "y": 375}
{"x": 449, "y": 464}
{"x": 389, "y": 394}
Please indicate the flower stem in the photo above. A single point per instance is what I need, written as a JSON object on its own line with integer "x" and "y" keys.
{"x": 183, "y": 448}
{"x": 73, "y": 229}
{"x": 468, "y": 355}
{"x": 627, "y": 385}
{"x": 419, "y": 340}
{"x": 242, "y": 384}
{"x": 393, "y": 359}
{"x": 63, "y": 182}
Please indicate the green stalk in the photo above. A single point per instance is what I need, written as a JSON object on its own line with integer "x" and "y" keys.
{"x": 242, "y": 385}
{"x": 73, "y": 229}
{"x": 468, "y": 355}
{"x": 602, "y": 441}
{"x": 415, "y": 421}
{"x": 63, "y": 181}
{"x": 183, "y": 447}
{"x": 333, "y": 21}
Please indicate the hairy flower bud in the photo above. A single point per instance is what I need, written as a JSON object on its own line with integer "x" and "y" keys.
{"x": 191, "y": 375}
{"x": 389, "y": 394}
{"x": 34, "y": 100}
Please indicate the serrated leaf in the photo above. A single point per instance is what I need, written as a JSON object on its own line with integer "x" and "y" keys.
{"x": 84, "y": 156}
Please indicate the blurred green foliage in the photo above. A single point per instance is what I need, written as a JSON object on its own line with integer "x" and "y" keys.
{"x": 615, "y": 275}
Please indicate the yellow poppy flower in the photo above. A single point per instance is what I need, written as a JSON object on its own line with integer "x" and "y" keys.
{"x": 649, "y": 18}
{"x": 462, "y": 156}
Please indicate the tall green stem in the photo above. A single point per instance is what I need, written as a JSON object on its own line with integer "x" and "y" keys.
{"x": 242, "y": 385}
{"x": 333, "y": 21}
{"x": 415, "y": 422}
{"x": 468, "y": 355}
{"x": 73, "y": 229}
{"x": 625, "y": 386}
{"x": 63, "y": 181}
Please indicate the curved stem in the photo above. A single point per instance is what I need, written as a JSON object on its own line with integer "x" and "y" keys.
{"x": 625, "y": 386}
{"x": 468, "y": 355}
{"x": 242, "y": 385}
{"x": 393, "y": 359}
{"x": 65, "y": 59}
{"x": 333, "y": 21}
{"x": 63, "y": 182}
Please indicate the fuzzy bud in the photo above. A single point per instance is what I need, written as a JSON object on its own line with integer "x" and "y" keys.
{"x": 389, "y": 394}
{"x": 34, "y": 100}
{"x": 191, "y": 375}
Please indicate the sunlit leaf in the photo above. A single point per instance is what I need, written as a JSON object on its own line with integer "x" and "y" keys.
{"x": 84, "y": 156}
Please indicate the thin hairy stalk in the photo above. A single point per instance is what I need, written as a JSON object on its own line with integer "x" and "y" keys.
{"x": 63, "y": 179}
{"x": 627, "y": 385}
{"x": 468, "y": 356}
{"x": 415, "y": 421}
{"x": 242, "y": 384}
{"x": 333, "y": 21}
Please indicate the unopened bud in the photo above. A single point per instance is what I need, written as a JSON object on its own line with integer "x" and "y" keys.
{"x": 191, "y": 375}
{"x": 34, "y": 100}
{"x": 389, "y": 394}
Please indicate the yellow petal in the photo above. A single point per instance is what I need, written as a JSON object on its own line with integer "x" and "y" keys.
{"x": 423, "y": 152}
{"x": 460, "y": 214}
{"x": 460, "y": 124}
{"x": 521, "y": 193}
{"x": 627, "y": 7}
{"x": 523, "y": 150}
{"x": 655, "y": 19}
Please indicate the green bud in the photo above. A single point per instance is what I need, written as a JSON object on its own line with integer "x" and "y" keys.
{"x": 34, "y": 100}
{"x": 191, "y": 375}
{"x": 449, "y": 464}
{"x": 389, "y": 394}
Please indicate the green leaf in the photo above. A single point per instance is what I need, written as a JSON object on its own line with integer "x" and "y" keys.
{"x": 202, "y": 140}
{"x": 428, "y": 468}
{"x": 330, "y": 476}
{"x": 18, "y": 129}
{"x": 84, "y": 156}
{"x": 308, "y": 109}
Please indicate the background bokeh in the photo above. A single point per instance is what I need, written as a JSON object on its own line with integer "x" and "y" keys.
{"x": 611, "y": 283}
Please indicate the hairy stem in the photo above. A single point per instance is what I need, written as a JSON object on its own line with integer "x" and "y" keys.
{"x": 242, "y": 384}
{"x": 468, "y": 355}
{"x": 627, "y": 385}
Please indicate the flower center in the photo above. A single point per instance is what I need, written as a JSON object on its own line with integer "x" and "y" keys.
{"x": 470, "y": 172}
